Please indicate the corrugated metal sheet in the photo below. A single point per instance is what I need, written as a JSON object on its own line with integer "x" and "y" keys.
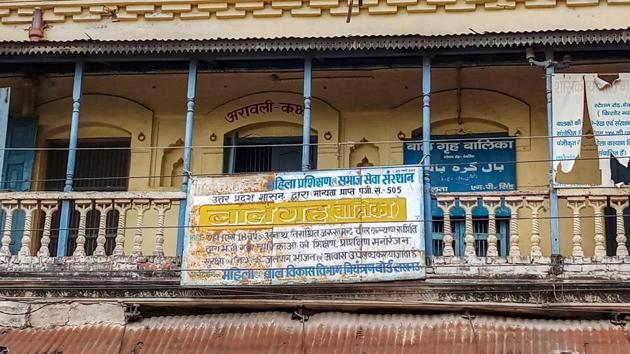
{"x": 344, "y": 333}
{"x": 330, "y": 333}
{"x": 273, "y": 332}
{"x": 486, "y": 40}
{"x": 91, "y": 339}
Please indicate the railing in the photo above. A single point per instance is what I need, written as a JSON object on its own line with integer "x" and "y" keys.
{"x": 610, "y": 214}
{"x": 499, "y": 224}
{"x": 124, "y": 230}
{"x": 489, "y": 224}
{"x": 101, "y": 224}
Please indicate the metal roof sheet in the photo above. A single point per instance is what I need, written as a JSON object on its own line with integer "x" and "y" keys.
{"x": 92, "y": 339}
{"x": 330, "y": 333}
{"x": 270, "y": 332}
{"x": 486, "y": 40}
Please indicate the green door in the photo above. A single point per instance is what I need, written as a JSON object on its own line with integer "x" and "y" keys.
{"x": 18, "y": 169}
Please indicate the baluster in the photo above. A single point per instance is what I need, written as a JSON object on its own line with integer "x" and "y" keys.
{"x": 122, "y": 206}
{"x": 514, "y": 204}
{"x": 162, "y": 206}
{"x": 447, "y": 204}
{"x": 598, "y": 204}
{"x": 620, "y": 203}
{"x": 492, "y": 204}
{"x": 29, "y": 207}
{"x": 9, "y": 206}
{"x": 103, "y": 206}
{"x": 535, "y": 204}
{"x": 140, "y": 206}
{"x": 469, "y": 203}
{"x": 48, "y": 207}
{"x": 577, "y": 204}
{"x": 83, "y": 206}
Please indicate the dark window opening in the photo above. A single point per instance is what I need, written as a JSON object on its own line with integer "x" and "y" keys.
{"x": 102, "y": 166}
{"x": 610, "y": 227}
{"x": 269, "y": 154}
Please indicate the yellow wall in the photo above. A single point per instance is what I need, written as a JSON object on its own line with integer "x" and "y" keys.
{"x": 111, "y": 20}
{"x": 364, "y": 112}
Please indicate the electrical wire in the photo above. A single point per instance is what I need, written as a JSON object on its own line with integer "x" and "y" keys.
{"x": 341, "y": 225}
{"x": 353, "y": 288}
{"x": 581, "y": 217}
{"x": 461, "y": 138}
{"x": 512, "y": 162}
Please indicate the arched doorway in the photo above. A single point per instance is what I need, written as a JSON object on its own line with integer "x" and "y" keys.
{"x": 266, "y": 128}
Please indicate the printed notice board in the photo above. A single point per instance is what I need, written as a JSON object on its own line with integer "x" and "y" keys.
{"x": 357, "y": 225}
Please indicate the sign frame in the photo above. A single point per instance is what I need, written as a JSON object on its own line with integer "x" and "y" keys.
{"x": 410, "y": 263}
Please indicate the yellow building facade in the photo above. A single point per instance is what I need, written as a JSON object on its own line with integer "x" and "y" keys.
{"x": 113, "y": 112}
{"x": 360, "y": 115}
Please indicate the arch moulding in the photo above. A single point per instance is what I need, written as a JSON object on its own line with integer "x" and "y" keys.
{"x": 102, "y": 116}
{"x": 261, "y": 112}
{"x": 483, "y": 110}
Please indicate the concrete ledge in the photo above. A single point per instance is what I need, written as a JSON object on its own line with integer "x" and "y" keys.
{"x": 88, "y": 270}
{"x": 14, "y": 314}
{"x": 76, "y": 314}
{"x": 26, "y": 264}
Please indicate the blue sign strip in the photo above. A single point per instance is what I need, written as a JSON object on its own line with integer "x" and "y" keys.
{"x": 470, "y": 163}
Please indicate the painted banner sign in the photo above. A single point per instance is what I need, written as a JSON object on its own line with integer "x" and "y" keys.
{"x": 475, "y": 164}
{"x": 354, "y": 225}
{"x": 568, "y": 119}
{"x": 609, "y": 110}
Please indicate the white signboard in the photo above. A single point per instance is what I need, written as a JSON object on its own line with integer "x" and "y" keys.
{"x": 356, "y": 225}
{"x": 608, "y": 105}
{"x": 609, "y": 109}
{"x": 568, "y": 119}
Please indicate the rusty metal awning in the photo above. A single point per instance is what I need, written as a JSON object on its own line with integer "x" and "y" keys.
{"x": 279, "y": 332}
{"x": 366, "y": 43}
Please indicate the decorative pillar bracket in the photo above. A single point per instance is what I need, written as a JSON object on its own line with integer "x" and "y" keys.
{"x": 598, "y": 204}
{"x": 492, "y": 204}
{"x": 514, "y": 204}
{"x": 469, "y": 203}
{"x": 536, "y": 205}
{"x": 447, "y": 204}
{"x": 576, "y": 204}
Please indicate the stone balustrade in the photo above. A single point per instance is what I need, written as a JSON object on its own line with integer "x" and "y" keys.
{"x": 123, "y": 230}
{"x": 102, "y": 223}
{"x": 599, "y": 204}
{"x": 468, "y": 227}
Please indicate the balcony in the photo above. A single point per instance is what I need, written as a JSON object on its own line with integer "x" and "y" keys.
{"x": 145, "y": 135}
{"x": 475, "y": 235}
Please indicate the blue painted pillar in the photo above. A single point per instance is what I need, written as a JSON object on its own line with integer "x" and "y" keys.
{"x": 426, "y": 152}
{"x": 5, "y": 95}
{"x": 306, "y": 134}
{"x": 66, "y": 213}
{"x": 190, "y": 115}
{"x": 553, "y": 195}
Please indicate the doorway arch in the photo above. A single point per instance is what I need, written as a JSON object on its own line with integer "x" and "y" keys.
{"x": 270, "y": 114}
